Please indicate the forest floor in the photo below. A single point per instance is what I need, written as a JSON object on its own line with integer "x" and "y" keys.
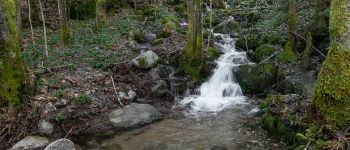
{"x": 74, "y": 85}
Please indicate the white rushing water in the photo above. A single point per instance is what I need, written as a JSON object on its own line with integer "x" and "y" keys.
{"x": 221, "y": 90}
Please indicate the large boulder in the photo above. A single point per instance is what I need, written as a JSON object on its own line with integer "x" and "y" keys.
{"x": 31, "y": 142}
{"x": 255, "y": 79}
{"x": 133, "y": 115}
{"x": 228, "y": 27}
{"x": 61, "y": 144}
{"x": 146, "y": 60}
{"x": 301, "y": 82}
{"x": 150, "y": 37}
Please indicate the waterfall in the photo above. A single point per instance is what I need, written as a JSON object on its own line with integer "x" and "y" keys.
{"x": 221, "y": 90}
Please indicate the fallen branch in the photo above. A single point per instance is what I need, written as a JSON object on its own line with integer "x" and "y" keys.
{"x": 52, "y": 69}
{"x": 311, "y": 45}
{"x": 274, "y": 54}
{"x": 116, "y": 93}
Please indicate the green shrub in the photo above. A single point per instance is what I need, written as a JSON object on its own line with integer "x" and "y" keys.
{"x": 83, "y": 99}
{"x": 263, "y": 52}
{"x": 59, "y": 93}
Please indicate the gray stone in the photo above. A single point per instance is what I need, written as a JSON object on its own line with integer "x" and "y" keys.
{"x": 146, "y": 60}
{"x": 131, "y": 95}
{"x": 133, "y": 115}
{"x": 31, "y": 142}
{"x": 61, "y": 144}
{"x": 150, "y": 37}
{"x": 45, "y": 127}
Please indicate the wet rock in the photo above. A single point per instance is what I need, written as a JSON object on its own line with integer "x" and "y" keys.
{"x": 301, "y": 83}
{"x": 133, "y": 115}
{"x": 146, "y": 60}
{"x": 150, "y": 37}
{"x": 156, "y": 146}
{"x": 161, "y": 72}
{"x": 160, "y": 89}
{"x": 228, "y": 27}
{"x": 45, "y": 127}
{"x": 61, "y": 144}
{"x": 49, "y": 109}
{"x": 31, "y": 142}
{"x": 255, "y": 79}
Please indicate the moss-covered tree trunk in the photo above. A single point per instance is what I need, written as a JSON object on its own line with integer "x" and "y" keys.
{"x": 193, "y": 62}
{"x": 64, "y": 23}
{"x": 14, "y": 81}
{"x": 292, "y": 21}
{"x": 101, "y": 18}
{"x": 332, "y": 92}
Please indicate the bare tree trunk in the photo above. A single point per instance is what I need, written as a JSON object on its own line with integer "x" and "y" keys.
{"x": 44, "y": 28}
{"x": 101, "y": 18}
{"x": 64, "y": 23}
{"x": 30, "y": 21}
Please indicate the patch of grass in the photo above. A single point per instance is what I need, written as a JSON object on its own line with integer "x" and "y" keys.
{"x": 83, "y": 99}
{"x": 87, "y": 45}
{"x": 59, "y": 93}
{"x": 58, "y": 117}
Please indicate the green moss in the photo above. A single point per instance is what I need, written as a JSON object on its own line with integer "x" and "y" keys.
{"x": 139, "y": 36}
{"x": 263, "y": 52}
{"x": 251, "y": 41}
{"x": 287, "y": 56}
{"x": 305, "y": 57}
{"x": 338, "y": 24}
{"x": 13, "y": 76}
{"x": 332, "y": 92}
{"x": 65, "y": 34}
{"x": 158, "y": 41}
{"x": 266, "y": 102}
{"x": 142, "y": 62}
{"x": 213, "y": 53}
{"x": 268, "y": 121}
{"x": 269, "y": 38}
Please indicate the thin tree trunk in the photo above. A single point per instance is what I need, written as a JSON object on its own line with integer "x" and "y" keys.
{"x": 64, "y": 23}
{"x": 101, "y": 19}
{"x": 19, "y": 15}
{"x": 30, "y": 22}
{"x": 44, "y": 28}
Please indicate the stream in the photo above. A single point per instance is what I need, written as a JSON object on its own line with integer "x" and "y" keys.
{"x": 219, "y": 117}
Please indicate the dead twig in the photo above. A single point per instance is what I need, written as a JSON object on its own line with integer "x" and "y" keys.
{"x": 313, "y": 47}
{"x": 116, "y": 93}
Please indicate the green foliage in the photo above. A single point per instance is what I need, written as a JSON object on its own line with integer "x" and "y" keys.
{"x": 270, "y": 38}
{"x": 58, "y": 117}
{"x": 65, "y": 34}
{"x": 83, "y": 99}
{"x": 161, "y": 15}
{"x": 59, "y": 93}
{"x": 263, "y": 52}
{"x": 213, "y": 53}
{"x": 158, "y": 41}
{"x": 82, "y": 9}
{"x": 287, "y": 56}
{"x": 87, "y": 46}
{"x": 139, "y": 36}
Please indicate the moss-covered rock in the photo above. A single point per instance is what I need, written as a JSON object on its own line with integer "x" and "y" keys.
{"x": 256, "y": 79}
{"x": 248, "y": 42}
{"x": 287, "y": 56}
{"x": 263, "y": 52}
{"x": 213, "y": 54}
{"x": 270, "y": 38}
{"x": 231, "y": 26}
